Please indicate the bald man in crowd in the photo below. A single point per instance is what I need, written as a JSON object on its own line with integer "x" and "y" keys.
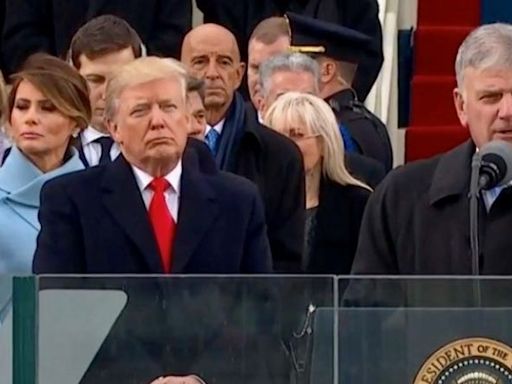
{"x": 242, "y": 146}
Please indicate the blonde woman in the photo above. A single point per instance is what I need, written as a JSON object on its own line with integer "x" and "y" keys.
{"x": 335, "y": 200}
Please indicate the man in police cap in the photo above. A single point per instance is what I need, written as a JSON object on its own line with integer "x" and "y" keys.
{"x": 338, "y": 50}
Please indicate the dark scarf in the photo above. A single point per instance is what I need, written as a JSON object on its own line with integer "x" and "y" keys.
{"x": 232, "y": 132}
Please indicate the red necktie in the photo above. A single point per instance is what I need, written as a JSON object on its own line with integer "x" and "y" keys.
{"x": 163, "y": 224}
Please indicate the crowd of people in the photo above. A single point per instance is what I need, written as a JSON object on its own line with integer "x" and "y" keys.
{"x": 135, "y": 153}
{"x": 290, "y": 214}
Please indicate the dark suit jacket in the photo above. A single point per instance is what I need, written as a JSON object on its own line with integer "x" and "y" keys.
{"x": 338, "y": 219}
{"x": 95, "y": 221}
{"x": 81, "y": 153}
{"x": 365, "y": 169}
{"x": 48, "y": 25}
{"x": 417, "y": 222}
{"x": 169, "y": 326}
{"x": 274, "y": 163}
{"x": 369, "y": 133}
{"x": 362, "y": 15}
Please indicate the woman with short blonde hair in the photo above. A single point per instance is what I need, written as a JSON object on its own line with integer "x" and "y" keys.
{"x": 335, "y": 200}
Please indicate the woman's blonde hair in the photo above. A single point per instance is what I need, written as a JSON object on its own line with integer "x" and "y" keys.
{"x": 301, "y": 109}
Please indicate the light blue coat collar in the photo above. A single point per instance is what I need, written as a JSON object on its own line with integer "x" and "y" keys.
{"x": 21, "y": 180}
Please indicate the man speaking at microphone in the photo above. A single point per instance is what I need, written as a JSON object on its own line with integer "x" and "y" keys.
{"x": 417, "y": 221}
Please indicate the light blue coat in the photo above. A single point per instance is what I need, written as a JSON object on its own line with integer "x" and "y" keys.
{"x": 20, "y": 186}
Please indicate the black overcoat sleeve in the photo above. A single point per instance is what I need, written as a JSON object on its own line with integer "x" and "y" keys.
{"x": 27, "y": 29}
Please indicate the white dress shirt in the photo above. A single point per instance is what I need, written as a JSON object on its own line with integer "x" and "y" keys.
{"x": 218, "y": 127}
{"x": 92, "y": 150}
{"x": 172, "y": 194}
{"x": 491, "y": 195}
{"x": 260, "y": 117}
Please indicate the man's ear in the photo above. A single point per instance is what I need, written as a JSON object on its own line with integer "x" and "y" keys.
{"x": 328, "y": 71}
{"x": 460, "y": 106}
{"x": 262, "y": 107}
{"x": 113, "y": 130}
{"x": 258, "y": 102}
{"x": 240, "y": 74}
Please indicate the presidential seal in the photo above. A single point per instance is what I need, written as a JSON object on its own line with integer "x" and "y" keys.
{"x": 468, "y": 361}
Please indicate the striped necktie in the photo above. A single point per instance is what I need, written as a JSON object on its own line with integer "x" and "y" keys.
{"x": 212, "y": 140}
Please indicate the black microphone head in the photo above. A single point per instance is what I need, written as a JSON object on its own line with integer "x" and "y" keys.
{"x": 496, "y": 166}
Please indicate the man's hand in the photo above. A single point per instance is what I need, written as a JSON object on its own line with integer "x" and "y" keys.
{"x": 178, "y": 380}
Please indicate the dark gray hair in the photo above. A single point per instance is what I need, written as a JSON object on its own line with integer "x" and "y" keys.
{"x": 488, "y": 46}
{"x": 288, "y": 62}
{"x": 196, "y": 85}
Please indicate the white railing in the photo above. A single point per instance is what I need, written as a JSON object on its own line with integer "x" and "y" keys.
{"x": 383, "y": 98}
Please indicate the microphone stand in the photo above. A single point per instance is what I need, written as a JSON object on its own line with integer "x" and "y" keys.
{"x": 473, "y": 226}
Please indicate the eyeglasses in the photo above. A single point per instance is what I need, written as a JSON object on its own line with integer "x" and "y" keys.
{"x": 302, "y": 138}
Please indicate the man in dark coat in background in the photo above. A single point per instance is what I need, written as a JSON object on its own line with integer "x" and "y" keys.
{"x": 241, "y": 16}
{"x": 243, "y": 146}
{"x": 48, "y": 25}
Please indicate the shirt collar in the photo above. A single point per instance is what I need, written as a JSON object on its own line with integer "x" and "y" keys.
{"x": 452, "y": 172}
{"x": 22, "y": 180}
{"x": 90, "y": 134}
{"x": 492, "y": 194}
{"x": 144, "y": 179}
{"x": 218, "y": 127}
{"x": 260, "y": 116}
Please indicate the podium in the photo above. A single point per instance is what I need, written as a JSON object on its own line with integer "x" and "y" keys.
{"x": 257, "y": 329}
{"x": 425, "y": 330}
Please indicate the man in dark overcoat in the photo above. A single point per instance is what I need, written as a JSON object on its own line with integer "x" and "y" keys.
{"x": 243, "y": 146}
{"x": 417, "y": 221}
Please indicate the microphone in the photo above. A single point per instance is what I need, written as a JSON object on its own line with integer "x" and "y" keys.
{"x": 495, "y": 164}
{"x": 491, "y": 166}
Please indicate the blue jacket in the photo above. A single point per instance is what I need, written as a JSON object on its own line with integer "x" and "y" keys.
{"x": 20, "y": 186}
